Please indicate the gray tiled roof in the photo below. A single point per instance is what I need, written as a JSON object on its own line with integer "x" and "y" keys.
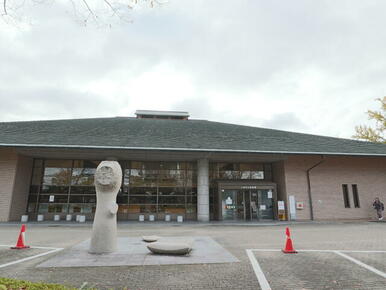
{"x": 122, "y": 132}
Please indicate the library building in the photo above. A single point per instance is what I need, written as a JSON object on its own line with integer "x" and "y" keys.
{"x": 195, "y": 170}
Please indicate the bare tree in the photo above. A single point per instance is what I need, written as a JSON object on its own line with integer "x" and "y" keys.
{"x": 97, "y": 12}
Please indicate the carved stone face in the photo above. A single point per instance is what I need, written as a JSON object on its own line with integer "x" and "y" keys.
{"x": 105, "y": 176}
{"x": 108, "y": 177}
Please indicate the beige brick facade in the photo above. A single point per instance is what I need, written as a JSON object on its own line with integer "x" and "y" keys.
{"x": 8, "y": 164}
{"x": 15, "y": 174}
{"x": 21, "y": 187}
{"x": 369, "y": 173}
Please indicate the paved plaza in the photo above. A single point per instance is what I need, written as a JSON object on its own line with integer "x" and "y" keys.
{"x": 348, "y": 255}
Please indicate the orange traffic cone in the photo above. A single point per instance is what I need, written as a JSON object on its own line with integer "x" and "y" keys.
{"x": 20, "y": 241}
{"x": 288, "y": 249}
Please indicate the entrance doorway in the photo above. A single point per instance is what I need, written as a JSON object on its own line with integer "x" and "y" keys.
{"x": 248, "y": 203}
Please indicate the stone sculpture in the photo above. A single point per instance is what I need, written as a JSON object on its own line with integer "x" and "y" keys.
{"x": 170, "y": 248}
{"x": 108, "y": 180}
{"x": 150, "y": 239}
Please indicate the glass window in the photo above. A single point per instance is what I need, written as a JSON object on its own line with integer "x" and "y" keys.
{"x": 172, "y": 209}
{"x": 143, "y": 191}
{"x": 346, "y": 198}
{"x": 171, "y": 199}
{"x": 191, "y": 178}
{"x": 147, "y": 208}
{"x": 142, "y": 177}
{"x": 191, "y": 191}
{"x": 56, "y": 177}
{"x": 52, "y": 208}
{"x": 191, "y": 199}
{"x": 171, "y": 177}
{"x": 75, "y": 190}
{"x": 83, "y": 176}
{"x": 355, "y": 195}
{"x": 81, "y": 208}
{"x": 68, "y": 185}
{"x": 53, "y": 198}
{"x": 191, "y": 208}
{"x": 171, "y": 191}
{"x": 122, "y": 199}
{"x": 257, "y": 175}
{"x": 142, "y": 199}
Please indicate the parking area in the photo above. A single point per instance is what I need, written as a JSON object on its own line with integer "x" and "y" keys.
{"x": 319, "y": 269}
{"x": 323, "y": 261}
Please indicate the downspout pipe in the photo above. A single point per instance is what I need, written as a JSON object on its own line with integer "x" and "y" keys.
{"x": 309, "y": 186}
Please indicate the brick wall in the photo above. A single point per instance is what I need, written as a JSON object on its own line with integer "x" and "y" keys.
{"x": 21, "y": 188}
{"x": 8, "y": 164}
{"x": 369, "y": 173}
{"x": 15, "y": 176}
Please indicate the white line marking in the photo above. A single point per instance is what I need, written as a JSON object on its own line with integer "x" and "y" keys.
{"x": 372, "y": 269}
{"x": 33, "y": 247}
{"x": 30, "y": 258}
{"x": 258, "y": 271}
{"x": 328, "y": 251}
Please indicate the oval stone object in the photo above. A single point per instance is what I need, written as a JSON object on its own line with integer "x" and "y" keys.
{"x": 169, "y": 248}
{"x": 150, "y": 239}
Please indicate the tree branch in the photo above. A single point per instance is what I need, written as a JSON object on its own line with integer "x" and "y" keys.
{"x": 109, "y": 4}
{"x": 89, "y": 9}
{"x": 5, "y": 7}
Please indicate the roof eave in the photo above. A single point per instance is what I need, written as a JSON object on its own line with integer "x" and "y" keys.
{"x": 190, "y": 149}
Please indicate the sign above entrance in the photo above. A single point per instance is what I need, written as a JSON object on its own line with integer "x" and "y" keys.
{"x": 249, "y": 187}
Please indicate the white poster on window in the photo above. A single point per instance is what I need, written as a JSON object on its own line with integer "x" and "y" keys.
{"x": 280, "y": 205}
{"x": 263, "y": 207}
{"x": 52, "y": 198}
{"x": 269, "y": 193}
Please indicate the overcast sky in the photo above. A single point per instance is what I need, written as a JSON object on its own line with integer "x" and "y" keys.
{"x": 306, "y": 66}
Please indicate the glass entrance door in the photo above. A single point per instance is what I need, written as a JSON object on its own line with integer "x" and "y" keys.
{"x": 232, "y": 205}
{"x": 251, "y": 204}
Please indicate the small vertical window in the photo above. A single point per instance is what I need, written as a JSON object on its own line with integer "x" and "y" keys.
{"x": 345, "y": 196}
{"x": 355, "y": 195}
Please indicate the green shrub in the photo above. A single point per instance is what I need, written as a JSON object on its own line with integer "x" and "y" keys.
{"x": 13, "y": 284}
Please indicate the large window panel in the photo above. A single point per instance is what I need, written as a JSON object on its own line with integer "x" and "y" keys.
{"x": 82, "y": 208}
{"x": 191, "y": 199}
{"x": 143, "y": 178}
{"x": 171, "y": 191}
{"x": 67, "y": 186}
{"x": 143, "y": 191}
{"x": 148, "y": 208}
{"x": 172, "y": 209}
{"x": 82, "y": 179}
{"x": 53, "y": 198}
{"x": 191, "y": 178}
{"x": 171, "y": 200}
{"x": 56, "y": 177}
{"x": 142, "y": 199}
{"x": 171, "y": 177}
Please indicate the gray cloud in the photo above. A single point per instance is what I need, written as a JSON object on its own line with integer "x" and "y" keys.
{"x": 327, "y": 55}
{"x": 285, "y": 121}
{"x": 52, "y": 103}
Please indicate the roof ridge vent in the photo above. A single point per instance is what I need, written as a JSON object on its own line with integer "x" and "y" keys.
{"x": 169, "y": 115}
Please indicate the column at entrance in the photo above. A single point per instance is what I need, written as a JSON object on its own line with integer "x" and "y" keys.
{"x": 203, "y": 190}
